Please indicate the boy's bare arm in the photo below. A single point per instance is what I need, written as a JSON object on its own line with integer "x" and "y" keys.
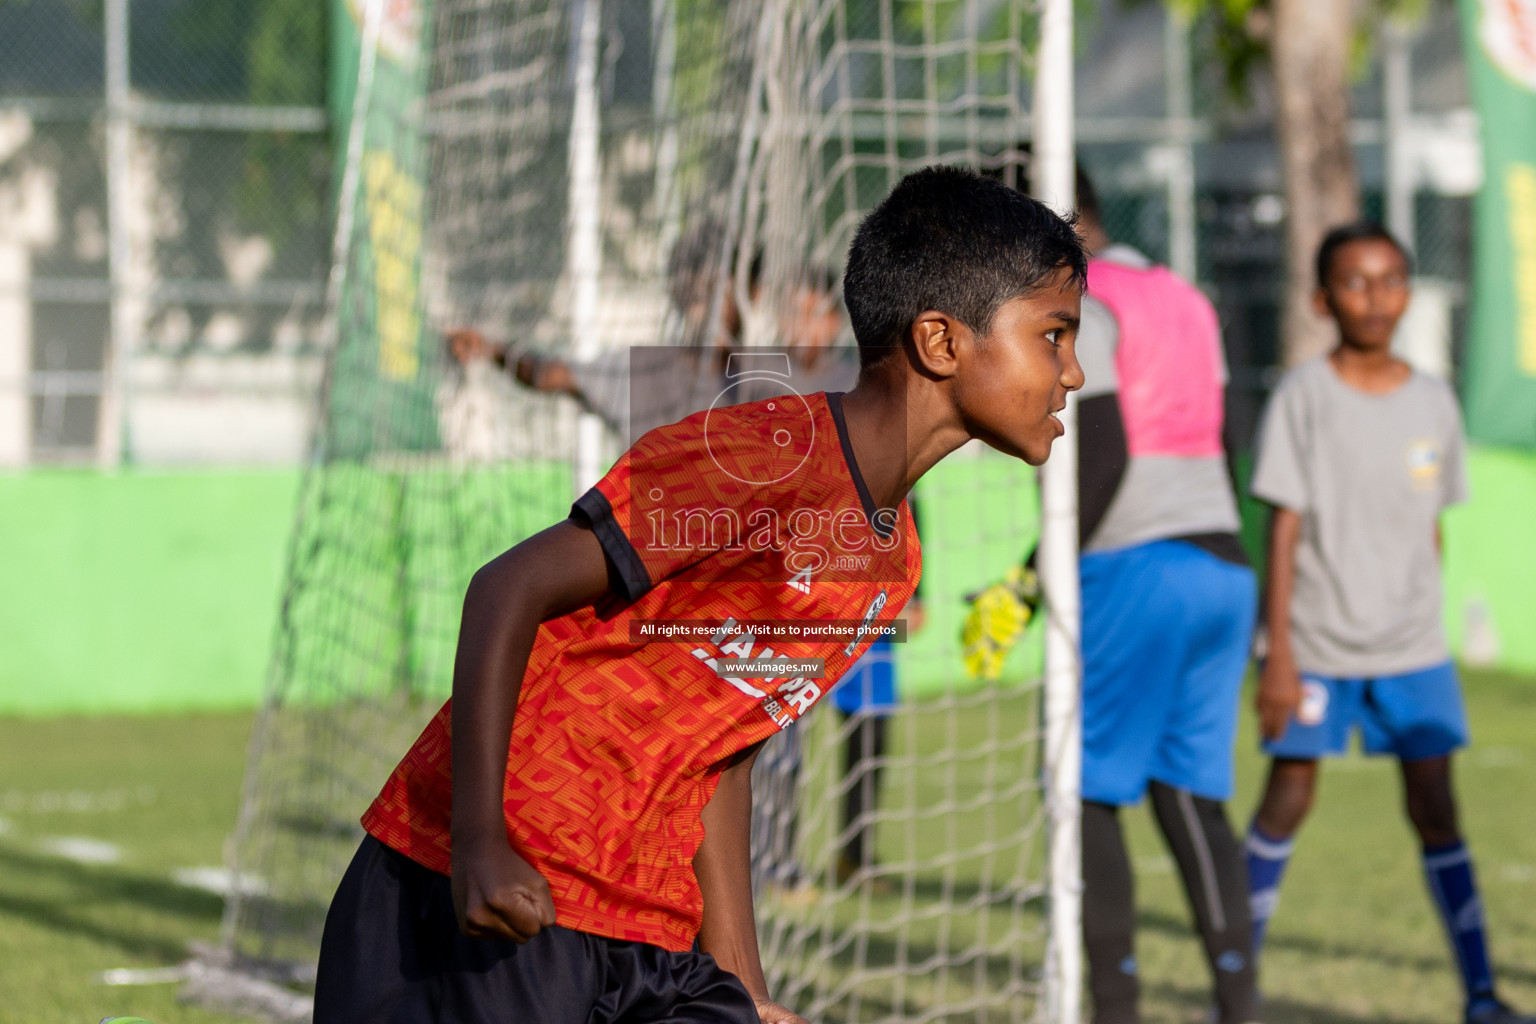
{"x": 723, "y": 867}
{"x": 1280, "y": 684}
{"x": 496, "y": 893}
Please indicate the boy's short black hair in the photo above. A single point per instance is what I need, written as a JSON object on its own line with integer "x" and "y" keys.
{"x": 1359, "y": 231}
{"x": 947, "y": 238}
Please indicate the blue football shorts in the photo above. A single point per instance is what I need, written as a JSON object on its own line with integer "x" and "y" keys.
{"x": 870, "y": 685}
{"x": 1167, "y": 633}
{"x": 1415, "y": 715}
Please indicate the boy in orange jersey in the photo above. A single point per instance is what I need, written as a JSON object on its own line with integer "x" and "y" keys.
{"x": 567, "y": 841}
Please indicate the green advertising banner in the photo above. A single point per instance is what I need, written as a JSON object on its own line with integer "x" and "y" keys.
{"x": 383, "y": 385}
{"x": 1500, "y": 379}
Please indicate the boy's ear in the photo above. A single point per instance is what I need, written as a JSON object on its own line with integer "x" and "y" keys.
{"x": 936, "y": 339}
{"x": 1320, "y": 302}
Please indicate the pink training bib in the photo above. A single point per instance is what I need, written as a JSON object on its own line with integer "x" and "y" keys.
{"x": 1169, "y": 359}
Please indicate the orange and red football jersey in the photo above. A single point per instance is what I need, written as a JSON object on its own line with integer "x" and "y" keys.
{"x": 741, "y": 522}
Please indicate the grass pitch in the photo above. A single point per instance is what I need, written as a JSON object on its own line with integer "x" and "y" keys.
{"x": 102, "y": 822}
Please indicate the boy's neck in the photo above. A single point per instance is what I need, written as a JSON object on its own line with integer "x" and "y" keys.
{"x": 1373, "y": 369}
{"x": 887, "y": 403}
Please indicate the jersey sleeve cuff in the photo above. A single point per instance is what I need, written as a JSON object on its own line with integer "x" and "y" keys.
{"x": 632, "y": 581}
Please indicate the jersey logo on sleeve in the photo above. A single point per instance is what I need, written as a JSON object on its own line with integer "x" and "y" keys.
{"x": 869, "y": 618}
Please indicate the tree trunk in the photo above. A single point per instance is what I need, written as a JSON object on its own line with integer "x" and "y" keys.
{"x": 1310, "y": 49}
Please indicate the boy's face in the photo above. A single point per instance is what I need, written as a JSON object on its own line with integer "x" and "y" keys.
{"x": 1366, "y": 291}
{"x": 1017, "y": 377}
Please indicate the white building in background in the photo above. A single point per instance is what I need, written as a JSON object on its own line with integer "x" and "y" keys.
{"x": 142, "y": 317}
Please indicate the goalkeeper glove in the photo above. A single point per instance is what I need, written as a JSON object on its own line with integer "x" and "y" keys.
{"x": 997, "y": 619}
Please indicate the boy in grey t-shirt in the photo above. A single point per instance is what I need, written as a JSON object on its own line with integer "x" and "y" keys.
{"x": 1358, "y": 455}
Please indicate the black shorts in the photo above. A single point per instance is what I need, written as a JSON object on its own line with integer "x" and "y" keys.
{"x": 392, "y": 952}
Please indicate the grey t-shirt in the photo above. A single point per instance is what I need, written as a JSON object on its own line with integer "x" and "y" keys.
{"x": 1369, "y": 474}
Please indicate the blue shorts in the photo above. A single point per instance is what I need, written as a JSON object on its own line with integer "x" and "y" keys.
{"x": 870, "y": 685}
{"x": 1167, "y": 631}
{"x": 1416, "y": 715}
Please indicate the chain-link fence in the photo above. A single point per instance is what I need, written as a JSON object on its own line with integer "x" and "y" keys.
{"x": 165, "y": 212}
{"x": 164, "y": 238}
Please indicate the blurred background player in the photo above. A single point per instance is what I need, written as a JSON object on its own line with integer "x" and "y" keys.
{"x": 1157, "y": 516}
{"x": 636, "y": 389}
{"x": 1358, "y": 455}
{"x": 810, "y": 321}
{"x": 865, "y": 701}
{"x": 685, "y": 374}
{"x": 1168, "y": 614}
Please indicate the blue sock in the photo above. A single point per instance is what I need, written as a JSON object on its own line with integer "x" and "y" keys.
{"x": 1266, "y": 858}
{"x": 1448, "y": 870}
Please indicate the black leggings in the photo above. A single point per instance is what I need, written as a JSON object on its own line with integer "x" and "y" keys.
{"x": 1215, "y": 881}
{"x": 862, "y": 759}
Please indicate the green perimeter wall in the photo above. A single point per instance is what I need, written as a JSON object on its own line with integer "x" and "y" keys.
{"x": 155, "y": 591}
{"x": 139, "y": 591}
{"x": 1490, "y": 554}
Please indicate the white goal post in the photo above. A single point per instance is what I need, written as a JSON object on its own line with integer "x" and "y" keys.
{"x": 1055, "y": 183}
